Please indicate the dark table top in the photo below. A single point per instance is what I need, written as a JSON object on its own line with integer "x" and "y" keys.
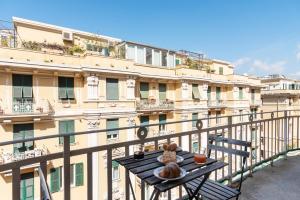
{"x": 143, "y": 168}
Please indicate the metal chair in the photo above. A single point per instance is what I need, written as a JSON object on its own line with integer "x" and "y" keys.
{"x": 213, "y": 190}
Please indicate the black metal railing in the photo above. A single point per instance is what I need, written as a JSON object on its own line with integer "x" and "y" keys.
{"x": 272, "y": 135}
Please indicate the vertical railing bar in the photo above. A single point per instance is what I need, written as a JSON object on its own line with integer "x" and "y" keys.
{"x": 127, "y": 191}
{"x": 16, "y": 179}
{"x": 246, "y": 138}
{"x": 67, "y": 186}
{"x": 90, "y": 176}
{"x": 256, "y": 145}
{"x": 190, "y": 142}
{"x": 235, "y": 147}
{"x": 109, "y": 174}
{"x": 199, "y": 142}
{"x": 43, "y": 166}
{"x": 216, "y": 156}
{"x": 297, "y": 132}
{"x": 156, "y": 144}
{"x": 293, "y": 119}
{"x": 223, "y": 157}
{"x": 241, "y": 138}
{"x": 229, "y": 172}
{"x": 142, "y": 190}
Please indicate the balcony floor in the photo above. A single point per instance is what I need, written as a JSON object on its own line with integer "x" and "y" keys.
{"x": 279, "y": 182}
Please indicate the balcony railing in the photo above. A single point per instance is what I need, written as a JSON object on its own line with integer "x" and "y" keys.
{"x": 216, "y": 103}
{"x": 26, "y": 107}
{"x": 155, "y": 104}
{"x": 272, "y": 136}
{"x": 8, "y": 157}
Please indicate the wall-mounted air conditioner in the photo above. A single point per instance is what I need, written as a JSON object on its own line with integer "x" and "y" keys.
{"x": 68, "y": 36}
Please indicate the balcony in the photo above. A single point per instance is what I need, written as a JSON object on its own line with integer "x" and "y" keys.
{"x": 155, "y": 105}
{"x": 26, "y": 108}
{"x": 216, "y": 104}
{"x": 275, "y": 139}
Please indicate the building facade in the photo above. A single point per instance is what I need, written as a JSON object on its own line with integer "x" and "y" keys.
{"x": 56, "y": 80}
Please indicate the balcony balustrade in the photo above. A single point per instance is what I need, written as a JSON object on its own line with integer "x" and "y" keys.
{"x": 26, "y": 107}
{"x": 273, "y": 137}
{"x": 155, "y": 104}
{"x": 216, "y": 103}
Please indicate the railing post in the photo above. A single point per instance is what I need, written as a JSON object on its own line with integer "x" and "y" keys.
{"x": 285, "y": 134}
{"x": 16, "y": 183}
{"x": 67, "y": 194}
{"x": 230, "y": 147}
{"x": 109, "y": 174}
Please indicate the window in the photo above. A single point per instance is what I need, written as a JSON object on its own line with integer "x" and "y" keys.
{"x": 144, "y": 90}
{"x": 115, "y": 171}
{"x": 66, "y": 88}
{"x": 22, "y": 86}
{"x": 208, "y": 118}
{"x": 254, "y": 112}
{"x": 241, "y": 93}
{"x": 23, "y": 131}
{"x": 253, "y": 153}
{"x": 218, "y": 117}
{"x": 148, "y": 56}
{"x": 221, "y": 70}
{"x": 110, "y": 124}
{"x": 156, "y": 58}
{"x": 112, "y": 89}
{"x": 195, "y": 91}
{"x": 92, "y": 83}
{"x": 162, "y": 120}
{"x": 195, "y": 147}
{"x": 209, "y": 93}
{"x": 140, "y": 55}
{"x": 253, "y": 134}
{"x": 164, "y": 58}
{"x": 178, "y": 62}
{"x": 144, "y": 120}
{"x": 241, "y": 115}
{"x": 55, "y": 179}
{"x": 253, "y": 95}
{"x": 76, "y": 177}
{"x": 194, "y": 118}
{"x": 67, "y": 126}
{"x": 130, "y": 54}
{"x": 27, "y": 186}
{"x": 218, "y": 93}
{"x": 162, "y": 91}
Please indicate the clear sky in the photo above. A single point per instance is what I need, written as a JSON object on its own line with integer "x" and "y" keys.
{"x": 258, "y": 36}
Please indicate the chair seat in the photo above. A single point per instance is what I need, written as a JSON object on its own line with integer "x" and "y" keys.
{"x": 212, "y": 190}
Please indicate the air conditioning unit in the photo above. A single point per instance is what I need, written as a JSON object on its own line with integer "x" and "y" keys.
{"x": 68, "y": 36}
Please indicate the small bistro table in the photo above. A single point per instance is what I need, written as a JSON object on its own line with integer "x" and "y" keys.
{"x": 143, "y": 168}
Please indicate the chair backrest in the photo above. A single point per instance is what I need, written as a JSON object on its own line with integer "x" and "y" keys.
{"x": 243, "y": 153}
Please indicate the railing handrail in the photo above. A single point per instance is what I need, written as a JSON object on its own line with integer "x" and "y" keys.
{"x": 138, "y": 126}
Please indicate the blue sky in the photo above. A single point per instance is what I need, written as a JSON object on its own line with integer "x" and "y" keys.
{"x": 258, "y": 36}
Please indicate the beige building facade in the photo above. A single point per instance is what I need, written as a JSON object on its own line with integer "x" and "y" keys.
{"x": 56, "y": 80}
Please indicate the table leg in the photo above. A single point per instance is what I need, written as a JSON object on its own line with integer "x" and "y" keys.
{"x": 155, "y": 194}
{"x": 131, "y": 187}
{"x": 195, "y": 193}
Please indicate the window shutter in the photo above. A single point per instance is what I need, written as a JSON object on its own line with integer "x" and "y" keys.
{"x": 162, "y": 91}
{"x": 195, "y": 91}
{"x": 79, "y": 174}
{"x": 70, "y": 88}
{"x": 62, "y": 84}
{"x": 17, "y": 85}
{"x": 162, "y": 118}
{"x": 209, "y": 93}
{"x": 112, "y": 89}
{"x": 218, "y": 93}
{"x": 240, "y": 93}
{"x": 18, "y": 135}
{"x": 27, "y": 86}
{"x": 55, "y": 180}
{"x": 62, "y": 130}
{"x": 144, "y": 90}
{"x": 28, "y": 133}
{"x": 114, "y": 164}
{"x": 194, "y": 117}
{"x": 71, "y": 129}
{"x": 221, "y": 71}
